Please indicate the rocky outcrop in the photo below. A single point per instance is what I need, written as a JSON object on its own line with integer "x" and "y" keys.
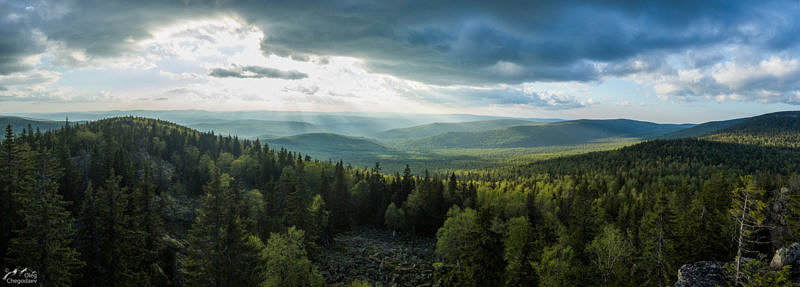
{"x": 786, "y": 256}
{"x": 777, "y": 213}
{"x": 701, "y": 274}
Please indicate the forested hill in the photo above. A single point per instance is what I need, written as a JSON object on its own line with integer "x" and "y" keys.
{"x": 701, "y": 129}
{"x": 552, "y": 134}
{"x": 132, "y": 187}
{"x": 135, "y": 201}
{"x": 440, "y": 128}
{"x": 18, "y": 124}
{"x": 774, "y": 129}
{"x": 691, "y": 155}
{"x": 328, "y": 143}
{"x": 257, "y": 128}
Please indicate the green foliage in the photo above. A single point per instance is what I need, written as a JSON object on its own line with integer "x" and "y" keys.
{"x": 657, "y": 233}
{"x": 610, "y": 252}
{"x": 553, "y": 134}
{"x": 317, "y": 224}
{"x": 120, "y": 241}
{"x": 44, "y": 241}
{"x": 774, "y": 129}
{"x": 756, "y": 272}
{"x": 555, "y": 266}
{"x": 549, "y": 222}
{"x": 747, "y": 211}
{"x": 395, "y": 218}
{"x": 441, "y": 128}
{"x": 287, "y": 264}
{"x": 14, "y": 164}
{"x": 518, "y": 252}
{"x": 458, "y": 236}
{"x": 298, "y": 199}
{"x": 359, "y": 283}
{"x": 221, "y": 252}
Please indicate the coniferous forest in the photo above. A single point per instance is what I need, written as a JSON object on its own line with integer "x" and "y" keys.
{"x": 131, "y": 201}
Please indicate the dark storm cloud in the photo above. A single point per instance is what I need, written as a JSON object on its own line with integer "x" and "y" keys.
{"x": 256, "y": 72}
{"x": 17, "y": 40}
{"x": 441, "y": 42}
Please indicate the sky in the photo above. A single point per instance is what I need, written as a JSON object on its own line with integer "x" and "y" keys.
{"x": 664, "y": 61}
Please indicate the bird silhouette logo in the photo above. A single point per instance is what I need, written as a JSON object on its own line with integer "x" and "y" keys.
{"x": 10, "y": 273}
{"x": 16, "y": 272}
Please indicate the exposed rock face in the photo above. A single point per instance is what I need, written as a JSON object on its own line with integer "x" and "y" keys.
{"x": 701, "y": 274}
{"x": 777, "y": 212}
{"x": 786, "y": 256}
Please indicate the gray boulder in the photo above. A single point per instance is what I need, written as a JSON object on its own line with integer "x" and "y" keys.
{"x": 701, "y": 274}
{"x": 786, "y": 256}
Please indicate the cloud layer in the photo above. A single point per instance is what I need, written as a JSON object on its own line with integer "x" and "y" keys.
{"x": 256, "y": 72}
{"x": 681, "y": 50}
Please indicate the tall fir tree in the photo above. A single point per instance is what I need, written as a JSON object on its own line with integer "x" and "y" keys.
{"x": 221, "y": 252}
{"x": 44, "y": 243}
{"x": 657, "y": 236}
{"x": 9, "y": 167}
{"x": 340, "y": 200}
{"x": 298, "y": 200}
{"x": 120, "y": 239}
{"x": 89, "y": 239}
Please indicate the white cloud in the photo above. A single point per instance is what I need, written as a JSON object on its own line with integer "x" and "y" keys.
{"x": 736, "y": 76}
{"x": 745, "y": 77}
{"x": 31, "y": 81}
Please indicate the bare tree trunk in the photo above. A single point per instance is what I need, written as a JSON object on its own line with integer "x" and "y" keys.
{"x": 740, "y": 243}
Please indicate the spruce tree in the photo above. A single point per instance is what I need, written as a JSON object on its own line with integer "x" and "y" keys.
{"x": 89, "y": 239}
{"x": 120, "y": 241}
{"x": 298, "y": 200}
{"x": 8, "y": 170}
{"x": 747, "y": 212}
{"x": 44, "y": 243}
{"x": 657, "y": 235}
{"x": 340, "y": 200}
{"x": 221, "y": 252}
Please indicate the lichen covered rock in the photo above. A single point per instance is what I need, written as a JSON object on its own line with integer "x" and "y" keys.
{"x": 701, "y": 274}
{"x": 786, "y": 256}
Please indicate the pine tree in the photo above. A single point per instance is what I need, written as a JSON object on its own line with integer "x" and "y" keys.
{"x": 44, "y": 241}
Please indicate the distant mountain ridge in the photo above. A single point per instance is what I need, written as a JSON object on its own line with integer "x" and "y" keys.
{"x": 773, "y": 129}
{"x": 440, "y": 128}
{"x": 19, "y": 123}
{"x": 560, "y": 133}
{"x": 327, "y": 142}
{"x": 254, "y": 128}
{"x": 702, "y": 129}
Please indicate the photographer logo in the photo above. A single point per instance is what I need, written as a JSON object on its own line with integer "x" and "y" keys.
{"x": 20, "y": 276}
